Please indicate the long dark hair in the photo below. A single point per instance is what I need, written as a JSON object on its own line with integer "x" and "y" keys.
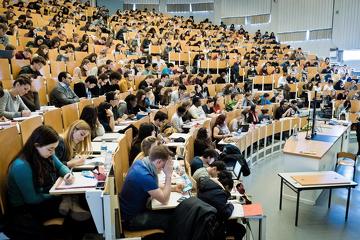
{"x": 102, "y": 112}
{"x": 145, "y": 130}
{"x": 42, "y": 168}
{"x": 90, "y": 114}
{"x": 202, "y": 137}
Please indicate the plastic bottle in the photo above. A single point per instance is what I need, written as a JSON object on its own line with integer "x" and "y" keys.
{"x": 103, "y": 148}
{"x": 88, "y": 94}
{"x": 187, "y": 182}
{"x": 108, "y": 161}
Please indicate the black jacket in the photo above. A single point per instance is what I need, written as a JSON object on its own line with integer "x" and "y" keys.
{"x": 80, "y": 90}
{"x": 231, "y": 154}
{"x": 213, "y": 194}
{"x": 194, "y": 220}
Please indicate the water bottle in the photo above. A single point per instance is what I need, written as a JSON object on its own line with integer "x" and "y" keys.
{"x": 103, "y": 148}
{"x": 108, "y": 161}
{"x": 187, "y": 182}
{"x": 88, "y": 94}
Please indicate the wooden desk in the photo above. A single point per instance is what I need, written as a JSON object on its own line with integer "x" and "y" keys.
{"x": 175, "y": 136}
{"x": 314, "y": 155}
{"x": 321, "y": 183}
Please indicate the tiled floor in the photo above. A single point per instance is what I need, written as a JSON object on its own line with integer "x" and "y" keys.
{"x": 315, "y": 222}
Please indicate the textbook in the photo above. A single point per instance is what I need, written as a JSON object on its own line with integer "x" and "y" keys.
{"x": 254, "y": 209}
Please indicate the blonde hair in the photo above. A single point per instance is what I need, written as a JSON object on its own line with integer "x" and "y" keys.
{"x": 71, "y": 149}
{"x": 147, "y": 143}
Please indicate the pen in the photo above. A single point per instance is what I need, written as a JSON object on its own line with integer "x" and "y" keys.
{"x": 70, "y": 173}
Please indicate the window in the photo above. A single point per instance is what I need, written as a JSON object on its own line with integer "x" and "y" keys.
{"x": 178, "y": 7}
{"x": 351, "y": 55}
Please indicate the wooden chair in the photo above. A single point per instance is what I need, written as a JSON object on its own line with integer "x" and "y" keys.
{"x": 346, "y": 159}
{"x": 70, "y": 113}
{"x": 83, "y": 103}
{"x": 16, "y": 66}
{"x": 28, "y": 126}
{"x": 57, "y": 67}
{"x": 10, "y": 148}
{"x": 53, "y": 118}
{"x": 98, "y": 100}
{"x": 5, "y": 73}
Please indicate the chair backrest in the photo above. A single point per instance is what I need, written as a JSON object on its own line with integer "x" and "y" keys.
{"x": 98, "y": 100}
{"x": 16, "y": 66}
{"x": 70, "y": 113}
{"x": 83, "y": 103}
{"x": 5, "y": 73}
{"x": 28, "y": 126}
{"x": 53, "y": 118}
{"x": 346, "y": 155}
{"x": 10, "y": 147}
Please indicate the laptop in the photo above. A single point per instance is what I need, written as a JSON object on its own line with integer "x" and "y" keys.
{"x": 236, "y": 171}
{"x": 244, "y": 127}
{"x": 6, "y": 54}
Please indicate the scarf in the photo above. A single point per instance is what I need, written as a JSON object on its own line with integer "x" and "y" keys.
{"x": 151, "y": 168}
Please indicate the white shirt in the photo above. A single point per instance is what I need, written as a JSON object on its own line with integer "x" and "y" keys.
{"x": 328, "y": 87}
{"x": 282, "y": 81}
{"x": 197, "y": 112}
{"x": 177, "y": 122}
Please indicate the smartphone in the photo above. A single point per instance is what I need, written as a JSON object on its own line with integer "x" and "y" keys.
{"x": 100, "y": 185}
{"x": 181, "y": 199}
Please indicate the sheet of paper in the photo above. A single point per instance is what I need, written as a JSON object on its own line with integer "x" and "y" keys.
{"x": 95, "y": 161}
{"x": 80, "y": 182}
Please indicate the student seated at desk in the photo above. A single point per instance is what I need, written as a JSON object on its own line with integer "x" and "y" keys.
{"x": 106, "y": 116}
{"x": 75, "y": 142}
{"x": 11, "y": 104}
{"x": 208, "y": 157}
{"x": 212, "y": 170}
{"x": 30, "y": 177}
{"x": 209, "y": 107}
{"x": 221, "y": 130}
{"x": 160, "y": 119}
{"x": 145, "y": 130}
{"x": 90, "y": 115}
{"x": 284, "y": 110}
{"x": 62, "y": 94}
{"x": 216, "y": 192}
{"x": 146, "y": 145}
{"x": 176, "y": 119}
{"x": 238, "y": 122}
{"x": 252, "y": 116}
{"x": 140, "y": 184}
{"x": 202, "y": 142}
{"x": 31, "y": 98}
{"x": 196, "y": 111}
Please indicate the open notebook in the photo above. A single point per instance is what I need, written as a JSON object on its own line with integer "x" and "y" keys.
{"x": 80, "y": 182}
{"x": 108, "y": 137}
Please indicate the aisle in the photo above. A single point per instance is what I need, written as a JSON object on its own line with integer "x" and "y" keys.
{"x": 315, "y": 222}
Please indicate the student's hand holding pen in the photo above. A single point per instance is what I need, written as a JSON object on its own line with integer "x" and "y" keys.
{"x": 69, "y": 178}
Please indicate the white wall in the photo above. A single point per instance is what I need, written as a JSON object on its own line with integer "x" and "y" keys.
{"x": 297, "y": 15}
{"x": 240, "y": 8}
{"x": 346, "y": 30}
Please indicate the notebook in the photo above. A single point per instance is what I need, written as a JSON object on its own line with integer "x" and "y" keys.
{"x": 94, "y": 160}
{"x": 80, "y": 182}
{"x": 254, "y": 209}
{"x": 108, "y": 137}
